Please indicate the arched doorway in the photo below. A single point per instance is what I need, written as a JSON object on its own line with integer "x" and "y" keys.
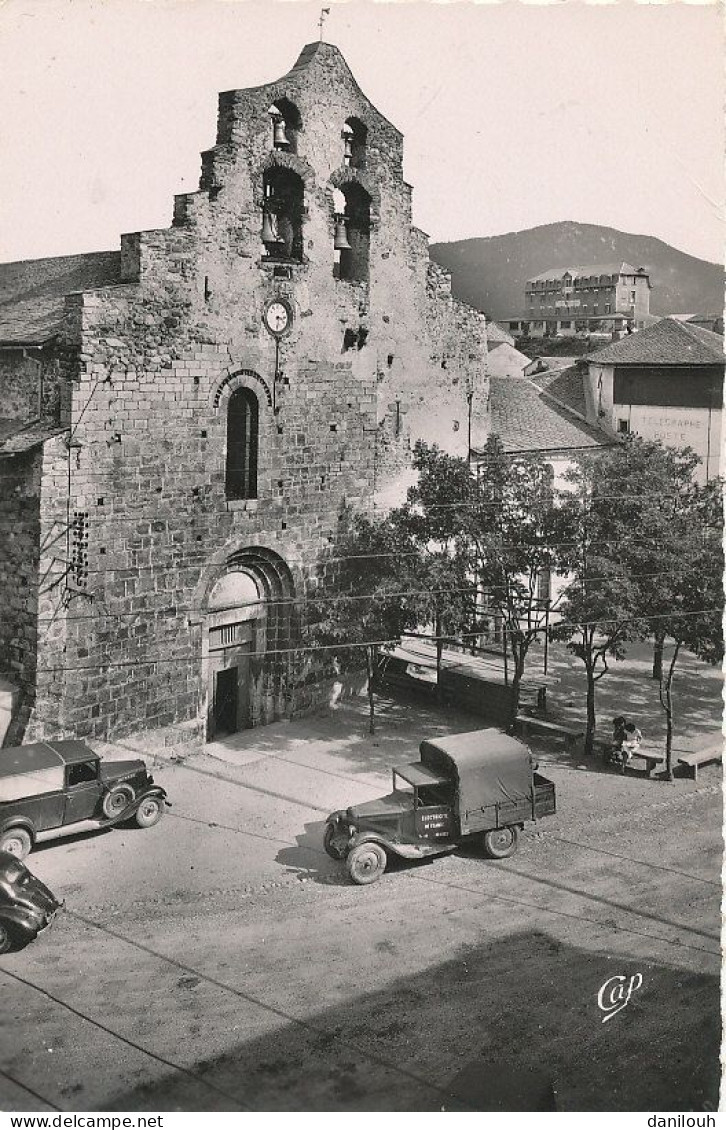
{"x": 248, "y": 629}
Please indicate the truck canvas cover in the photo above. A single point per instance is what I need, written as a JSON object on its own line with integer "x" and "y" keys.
{"x": 489, "y": 768}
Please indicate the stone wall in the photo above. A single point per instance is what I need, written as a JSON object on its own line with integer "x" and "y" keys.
{"x": 367, "y": 367}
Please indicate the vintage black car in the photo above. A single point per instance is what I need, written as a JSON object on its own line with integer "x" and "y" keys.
{"x": 57, "y": 788}
{"x": 466, "y": 786}
{"x": 27, "y": 906}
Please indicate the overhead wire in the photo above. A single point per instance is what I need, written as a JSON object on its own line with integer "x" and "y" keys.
{"x": 311, "y": 599}
{"x": 148, "y": 661}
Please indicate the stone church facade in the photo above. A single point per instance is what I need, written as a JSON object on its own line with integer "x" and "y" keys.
{"x": 183, "y": 421}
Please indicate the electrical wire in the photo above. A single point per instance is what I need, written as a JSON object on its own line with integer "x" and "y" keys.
{"x": 146, "y": 661}
{"x": 175, "y": 610}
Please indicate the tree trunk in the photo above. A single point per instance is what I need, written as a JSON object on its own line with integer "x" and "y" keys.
{"x": 371, "y": 668}
{"x": 658, "y": 657}
{"x": 439, "y": 650}
{"x": 519, "y": 660}
{"x": 590, "y": 729}
{"x": 666, "y": 698}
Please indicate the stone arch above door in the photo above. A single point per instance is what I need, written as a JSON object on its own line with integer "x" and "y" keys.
{"x": 249, "y": 602}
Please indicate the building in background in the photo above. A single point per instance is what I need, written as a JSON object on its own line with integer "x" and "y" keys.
{"x": 183, "y": 421}
{"x": 602, "y": 298}
{"x": 664, "y": 383}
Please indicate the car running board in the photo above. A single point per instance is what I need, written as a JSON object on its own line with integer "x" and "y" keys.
{"x": 71, "y": 829}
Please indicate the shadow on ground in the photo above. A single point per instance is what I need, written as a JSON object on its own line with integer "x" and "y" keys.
{"x": 473, "y": 1033}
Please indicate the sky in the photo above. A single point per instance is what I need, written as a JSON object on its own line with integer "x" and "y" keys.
{"x": 513, "y": 114}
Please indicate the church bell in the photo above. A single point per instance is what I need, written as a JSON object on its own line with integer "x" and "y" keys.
{"x": 347, "y": 146}
{"x": 269, "y": 228}
{"x": 340, "y": 242}
{"x": 279, "y": 137}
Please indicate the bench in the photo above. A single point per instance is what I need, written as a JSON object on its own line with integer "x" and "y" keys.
{"x": 652, "y": 760}
{"x": 692, "y": 761}
{"x": 527, "y": 723}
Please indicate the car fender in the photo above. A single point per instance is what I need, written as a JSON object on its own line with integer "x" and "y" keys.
{"x": 18, "y": 822}
{"x": 20, "y": 918}
{"x": 405, "y": 851}
{"x": 130, "y": 810}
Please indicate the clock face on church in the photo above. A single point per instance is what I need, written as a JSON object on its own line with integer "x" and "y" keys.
{"x": 278, "y": 317}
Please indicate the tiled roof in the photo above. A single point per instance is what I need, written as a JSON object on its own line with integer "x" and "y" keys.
{"x": 17, "y": 436}
{"x": 665, "y": 343}
{"x": 527, "y": 419}
{"x": 32, "y": 292}
{"x": 497, "y": 333}
{"x": 587, "y": 271}
{"x": 563, "y": 385}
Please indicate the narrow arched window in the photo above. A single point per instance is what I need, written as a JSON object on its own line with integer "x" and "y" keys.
{"x": 355, "y": 137}
{"x": 242, "y": 444}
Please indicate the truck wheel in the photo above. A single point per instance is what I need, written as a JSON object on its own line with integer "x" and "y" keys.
{"x": 149, "y": 812}
{"x": 17, "y": 841}
{"x": 501, "y": 842}
{"x": 333, "y": 852}
{"x": 366, "y": 863}
{"x": 117, "y": 799}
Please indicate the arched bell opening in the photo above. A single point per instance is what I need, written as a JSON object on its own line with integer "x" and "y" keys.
{"x": 249, "y": 629}
{"x": 283, "y": 209}
{"x": 355, "y": 140}
{"x": 352, "y": 232}
{"x": 286, "y": 125}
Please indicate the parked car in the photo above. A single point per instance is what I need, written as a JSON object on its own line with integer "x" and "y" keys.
{"x": 26, "y": 904}
{"x": 477, "y": 786}
{"x": 57, "y": 788}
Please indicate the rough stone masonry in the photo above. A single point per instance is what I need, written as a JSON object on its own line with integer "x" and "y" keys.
{"x": 173, "y": 466}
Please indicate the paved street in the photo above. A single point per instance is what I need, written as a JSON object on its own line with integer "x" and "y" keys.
{"x": 221, "y": 961}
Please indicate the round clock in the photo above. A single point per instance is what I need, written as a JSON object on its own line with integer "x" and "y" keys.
{"x": 278, "y": 317}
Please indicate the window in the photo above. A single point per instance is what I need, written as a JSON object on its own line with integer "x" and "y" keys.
{"x": 352, "y": 232}
{"x": 83, "y": 772}
{"x": 283, "y": 209}
{"x": 623, "y": 427}
{"x": 608, "y": 308}
{"x": 355, "y": 136}
{"x": 544, "y": 585}
{"x": 242, "y": 444}
{"x": 286, "y": 125}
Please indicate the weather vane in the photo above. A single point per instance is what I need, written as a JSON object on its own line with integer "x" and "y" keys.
{"x": 323, "y": 13}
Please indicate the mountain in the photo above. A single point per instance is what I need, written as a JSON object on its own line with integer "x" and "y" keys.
{"x": 490, "y": 273}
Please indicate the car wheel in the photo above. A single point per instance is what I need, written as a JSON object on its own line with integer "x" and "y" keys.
{"x": 116, "y": 800}
{"x": 149, "y": 812}
{"x": 501, "y": 842}
{"x": 17, "y": 841}
{"x": 7, "y": 938}
{"x": 366, "y": 863}
{"x": 333, "y": 852}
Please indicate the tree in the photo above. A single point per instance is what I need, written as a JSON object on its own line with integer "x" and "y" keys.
{"x": 433, "y": 523}
{"x": 686, "y": 606}
{"x": 601, "y": 600}
{"x": 365, "y": 604}
{"x": 516, "y": 529}
{"x": 636, "y": 511}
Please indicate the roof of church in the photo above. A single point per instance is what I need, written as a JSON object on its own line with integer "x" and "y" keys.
{"x": 32, "y": 292}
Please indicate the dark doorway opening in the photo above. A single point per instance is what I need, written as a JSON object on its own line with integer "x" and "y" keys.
{"x": 226, "y": 694}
